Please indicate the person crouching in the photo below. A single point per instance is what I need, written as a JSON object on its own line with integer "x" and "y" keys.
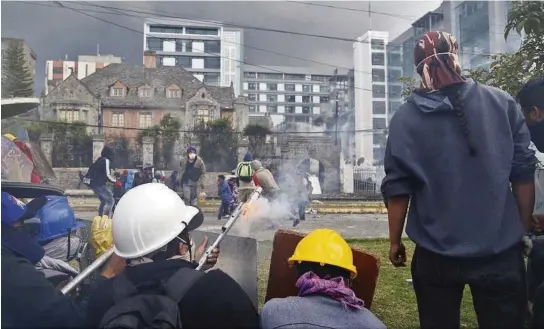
{"x": 324, "y": 263}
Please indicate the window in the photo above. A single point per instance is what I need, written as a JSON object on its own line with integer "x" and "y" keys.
{"x": 379, "y": 138}
{"x": 271, "y": 76}
{"x": 395, "y": 91}
{"x": 378, "y": 91}
{"x": 307, "y": 88}
{"x": 272, "y": 98}
{"x": 272, "y": 109}
{"x": 154, "y": 44}
{"x": 324, "y": 99}
{"x": 212, "y": 46}
{"x": 211, "y": 78}
{"x": 377, "y": 44}
{"x": 272, "y": 86}
{"x": 393, "y": 75}
{"x": 202, "y": 116}
{"x": 300, "y": 118}
{"x": 118, "y": 120}
{"x": 289, "y": 87}
{"x": 379, "y": 155}
{"x": 306, "y": 109}
{"x": 394, "y": 59}
{"x": 69, "y": 115}
{"x": 324, "y": 89}
{"x": 378, "y": 107}
{"x": 212, "y": 62}
{"x": 378, "y": 123}
{"x": 117, "y": 92}
{"x": 289, "y": 109}
{"x": 305, "y": 99}
{"x": 252, "y": 108}
{"x": 378, "y": 59}
{"x": 252, "y": 86}
{"x": 57, "y": 70}
{"x": 183, "y": 61}
{"x": 173, "y": 93}
{"x": 252, "y": 97}
{"x": 145, "y": 121}
{"x": 201, "y": 31}
{"x": 321, "y": 78}
{"x": 378, "y": 75}
{"x": 165, "y": 29}
{"x": 145, "y": 92}
{"x": 290, "y": 98}
{"x": 295, "y": 77}
{"x": 393, "y": 106}
{"x": 188, "y": 46}
{"x": 252, "y": 75}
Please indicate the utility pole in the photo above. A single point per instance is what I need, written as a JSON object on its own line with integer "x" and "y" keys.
{"x": 336, "y": 107}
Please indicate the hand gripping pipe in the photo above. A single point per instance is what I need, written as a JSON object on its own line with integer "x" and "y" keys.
{"x": 228, "y": 225}
{"x": 87, "y": 271}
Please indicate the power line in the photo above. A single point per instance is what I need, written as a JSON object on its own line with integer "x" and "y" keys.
{"x": 351, "y": 9}
{"x": 151, "y": 129}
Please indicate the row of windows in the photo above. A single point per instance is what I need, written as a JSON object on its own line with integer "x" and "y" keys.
{"x": 288, "y": 98}
{"x": 393, "y": 75}
{"x": 181, "y": 30}
{"x": 182, "y": 45}
{"x": 145, "y": 92}
{"x": 287, "y": 87}
{"x": 274, "y": 109}
{"x": 145, "y": 119}
{"x": 286, "y": 76}
{"x": 190, "y": 62}
{"x": 72, "y": 115}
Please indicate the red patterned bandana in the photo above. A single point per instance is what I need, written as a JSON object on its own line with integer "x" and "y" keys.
{"x": 437, "y": 62}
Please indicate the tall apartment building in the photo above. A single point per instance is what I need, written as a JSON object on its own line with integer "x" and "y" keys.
{"x": 211, "y": 51}
{"x": 58, "y": 71}
{"x": 286, "y": 94}
{"x": 371, "y": 90}
{"x": 30, "y": 55}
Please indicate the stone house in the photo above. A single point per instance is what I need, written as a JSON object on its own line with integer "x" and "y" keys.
{"x": 133, "y": 97}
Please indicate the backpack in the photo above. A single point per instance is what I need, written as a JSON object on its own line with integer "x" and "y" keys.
{"x": 244, "y": 172}
{"x": 150, "y": 304}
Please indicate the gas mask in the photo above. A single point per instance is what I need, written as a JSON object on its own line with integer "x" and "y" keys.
{"x": 191, "y": 156}
{"x": 189, "y": 255}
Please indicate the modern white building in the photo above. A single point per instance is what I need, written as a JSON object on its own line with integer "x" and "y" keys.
{"x": 370, "y": 80}
{"x": 286, "y": 94}
{"x": 211, "y": 51}
{"x": 57, "y": 71}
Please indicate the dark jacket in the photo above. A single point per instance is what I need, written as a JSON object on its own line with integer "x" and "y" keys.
{"x": 99, "y": 171}
{"x": 214, "y": 301}
{"x": 225, "y": 192}
{"x": 192, "y": 174}
{"x": 461, "y": 205}
{"x": 29, "y": 300}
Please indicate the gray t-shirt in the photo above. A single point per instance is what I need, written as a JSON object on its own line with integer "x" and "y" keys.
{"x": 315, "y": 311}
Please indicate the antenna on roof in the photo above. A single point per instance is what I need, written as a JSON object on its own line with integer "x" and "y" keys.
{"x": 97, "y": 49}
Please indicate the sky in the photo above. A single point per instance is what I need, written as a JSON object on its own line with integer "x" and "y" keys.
{"x": 54, "y": 32}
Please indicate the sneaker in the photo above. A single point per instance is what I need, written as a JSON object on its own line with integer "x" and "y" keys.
{"x": 296, "y": 222}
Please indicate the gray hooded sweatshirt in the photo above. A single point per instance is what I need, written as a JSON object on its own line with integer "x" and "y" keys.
{"x": 461, "y": 206}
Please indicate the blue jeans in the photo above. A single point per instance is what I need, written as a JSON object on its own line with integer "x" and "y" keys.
{"x": 302, "y": 209}
{"x": 106, "y": 199}
{"x": 224, "y": 206}
{"x": 190, "y": 196}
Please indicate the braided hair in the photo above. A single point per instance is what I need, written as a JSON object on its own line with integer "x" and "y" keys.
{"x": 455, "y": 96}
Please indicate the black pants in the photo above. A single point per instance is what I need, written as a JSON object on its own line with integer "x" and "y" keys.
{"x": 497, "y": 284}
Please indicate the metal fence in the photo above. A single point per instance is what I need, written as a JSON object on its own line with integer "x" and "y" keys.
{"x": 367, "y": 181}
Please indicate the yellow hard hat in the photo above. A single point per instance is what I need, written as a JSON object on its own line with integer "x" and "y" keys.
{"x": 10, "y": 137}
{"x": 326, "y": 247}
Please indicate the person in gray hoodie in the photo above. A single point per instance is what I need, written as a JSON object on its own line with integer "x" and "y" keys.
{"x": 458, "y": 153}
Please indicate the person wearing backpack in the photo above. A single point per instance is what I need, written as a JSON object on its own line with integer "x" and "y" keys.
{"x": 160, "y": 287}
{"x": 244, "y": 173}
{"x": 96, "y": 178}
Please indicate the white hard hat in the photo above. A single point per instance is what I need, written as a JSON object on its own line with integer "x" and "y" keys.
{"x": 149, "y": 216}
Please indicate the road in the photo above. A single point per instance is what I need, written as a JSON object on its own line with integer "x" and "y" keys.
{"x": 349, "y": 226}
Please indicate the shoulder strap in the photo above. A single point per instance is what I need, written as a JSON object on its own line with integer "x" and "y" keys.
{"x": 122, "y": 288}
{"x": 181, "y": 281}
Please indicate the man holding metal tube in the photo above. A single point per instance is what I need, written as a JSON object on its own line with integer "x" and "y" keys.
{"x": 29, "y": 300}
{"x": 151, "y": 230}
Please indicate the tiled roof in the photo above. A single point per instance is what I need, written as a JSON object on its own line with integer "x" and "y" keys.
{"x": 135, "y": 76}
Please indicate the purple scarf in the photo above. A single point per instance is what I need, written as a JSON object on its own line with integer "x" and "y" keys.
{"x": 335, "y": 288}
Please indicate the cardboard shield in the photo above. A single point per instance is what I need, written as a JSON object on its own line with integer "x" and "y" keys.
{"x": 282, "y": 277}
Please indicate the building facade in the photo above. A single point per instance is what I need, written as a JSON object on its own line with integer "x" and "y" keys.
{"x": 211, "y": 52}
{"x": 371, "y": 91}
{"x": 286, "y": 94}
{"x": 59, "y": 70}
{"x": 30, "y": 55}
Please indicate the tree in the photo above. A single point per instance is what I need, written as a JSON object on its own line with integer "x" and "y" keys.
{"x": 218, "y": 144}
{"x": 16, "y": 76}
{"x": 256, "y": 135}
{"x": 408, "y": 84}
{"x": 510, "y": 71}
{"x": 72, "y": 147}
{"x": 165, "y": 135}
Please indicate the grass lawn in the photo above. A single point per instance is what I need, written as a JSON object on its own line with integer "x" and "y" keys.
{"x": 394, "y": 302}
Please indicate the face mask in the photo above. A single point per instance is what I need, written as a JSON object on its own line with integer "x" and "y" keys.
{"x": 537, "y": 135}
{"x": 190, "y": 253}
{"x": 192, "y": 156}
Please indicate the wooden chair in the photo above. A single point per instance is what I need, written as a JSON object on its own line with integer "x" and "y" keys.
{"x": 282, "y": 277}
